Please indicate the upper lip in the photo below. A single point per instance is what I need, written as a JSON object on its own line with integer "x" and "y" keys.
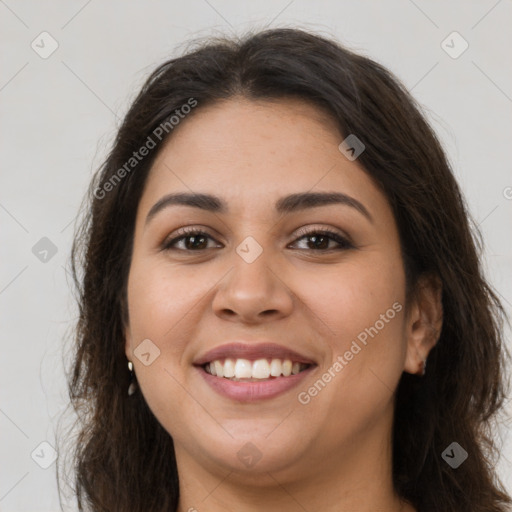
{"x": 252, "y": 351}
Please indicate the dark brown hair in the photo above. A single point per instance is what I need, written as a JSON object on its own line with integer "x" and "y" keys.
{"x": 123, "y": 458}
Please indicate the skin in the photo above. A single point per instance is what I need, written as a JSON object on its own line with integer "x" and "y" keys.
{"x": 334, "y": 453}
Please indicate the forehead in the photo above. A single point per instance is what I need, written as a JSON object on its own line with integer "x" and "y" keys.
{"x": 253, "y": 152}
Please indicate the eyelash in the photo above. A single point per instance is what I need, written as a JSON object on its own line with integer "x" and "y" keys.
{"x": 333, "y": 235}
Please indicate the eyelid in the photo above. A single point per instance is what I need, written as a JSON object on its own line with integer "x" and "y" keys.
{"x": 185, "y": 231}
{"x": 306, "y": 230}
{"x": 192, "y": 229}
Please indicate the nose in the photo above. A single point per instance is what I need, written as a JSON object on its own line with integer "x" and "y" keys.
{"x": 253, "y": 292}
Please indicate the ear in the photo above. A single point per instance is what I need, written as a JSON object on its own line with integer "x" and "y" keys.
{"x": 424, "y": 322}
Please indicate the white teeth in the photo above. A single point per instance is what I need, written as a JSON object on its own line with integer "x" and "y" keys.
{"x": 219, "y": 369}
{"x": 229, "y": 368}
{"x": 260, "y": 369}
{"x": 276, "y": 367}
{"x": 243, "y": 369}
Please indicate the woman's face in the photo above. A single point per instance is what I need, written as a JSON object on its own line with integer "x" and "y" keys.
{"x": 261, "y": 283}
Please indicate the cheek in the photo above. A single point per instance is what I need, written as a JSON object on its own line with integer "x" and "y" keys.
{"x": 352, "y": 297}
{"x": 160, "y": 297}
{"x": 364, "y": 306}
{"x": 164, "y": 305}
{"x": 362, "y": 303}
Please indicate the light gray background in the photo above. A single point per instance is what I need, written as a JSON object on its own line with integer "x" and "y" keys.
{"x": 59, "y": 116}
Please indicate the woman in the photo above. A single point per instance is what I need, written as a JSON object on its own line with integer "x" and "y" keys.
{"x": 271, "y": 253}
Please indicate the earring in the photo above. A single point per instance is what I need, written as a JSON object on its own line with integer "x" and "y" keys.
{"x": 133, "y": 385}
{"x": 424, "y": 367}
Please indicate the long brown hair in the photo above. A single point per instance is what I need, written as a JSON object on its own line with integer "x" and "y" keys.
{"x": 123, "y": 458}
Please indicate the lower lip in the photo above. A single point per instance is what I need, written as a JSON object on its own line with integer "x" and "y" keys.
{"x": 254, "y": 391}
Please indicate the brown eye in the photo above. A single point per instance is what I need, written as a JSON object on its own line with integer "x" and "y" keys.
{"x": 194, "y": 240}
{"x": 190, "y": 240}
{"x": 320, "y": 240}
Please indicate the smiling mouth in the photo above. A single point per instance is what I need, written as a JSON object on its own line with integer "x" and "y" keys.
{"x": 245, "y": 370}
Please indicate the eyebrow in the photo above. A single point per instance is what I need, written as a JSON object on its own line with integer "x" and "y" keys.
{"x": 285, "y": 205}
